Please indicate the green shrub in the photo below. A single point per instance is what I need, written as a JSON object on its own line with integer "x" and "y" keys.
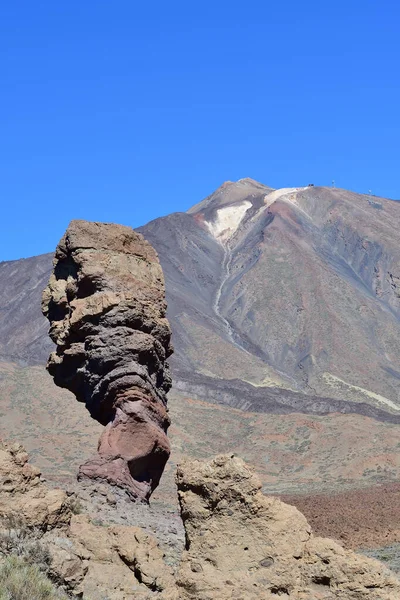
{"x": 75, "y": 505}
{"x": 21, "y": 581}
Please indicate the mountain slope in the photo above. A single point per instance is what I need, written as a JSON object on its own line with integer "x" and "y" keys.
{"x": 23, "y": 329}
{"x": 303, "y": 290}
{"x": 296, "y": 289}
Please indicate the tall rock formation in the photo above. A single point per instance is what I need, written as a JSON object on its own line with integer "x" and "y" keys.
{"x": 105, "y": 301}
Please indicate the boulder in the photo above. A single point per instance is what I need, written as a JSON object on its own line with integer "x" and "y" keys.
{"x": 120, "y": 561}
{"x": 24, "y": 495}
{"x": 242, "y": 544}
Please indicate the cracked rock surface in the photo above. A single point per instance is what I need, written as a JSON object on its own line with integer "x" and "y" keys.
{"x": 105, "y": 302}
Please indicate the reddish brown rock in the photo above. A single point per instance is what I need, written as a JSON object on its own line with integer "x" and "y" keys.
{"x": 105, "y": 301}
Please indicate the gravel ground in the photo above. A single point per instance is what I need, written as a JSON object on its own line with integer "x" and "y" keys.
{"x": 361, "y": 518}
{"x": 389, "y": 555}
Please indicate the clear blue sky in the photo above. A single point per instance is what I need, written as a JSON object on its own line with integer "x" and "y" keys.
{"x": 126, "y": 110}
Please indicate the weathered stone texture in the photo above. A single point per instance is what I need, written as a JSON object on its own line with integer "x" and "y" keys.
{"x": 24, "y": 495}
{"x": 242, "y": 544}
{"x": 117, "y": 562}
{"x": 106, "y": 305}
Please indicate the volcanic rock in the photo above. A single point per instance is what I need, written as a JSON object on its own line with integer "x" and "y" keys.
{"x": 23, "y": 493}
{"x": 118, "y": 562}
{"x": 242, "y": 544}
{"x": 105, "y": 301}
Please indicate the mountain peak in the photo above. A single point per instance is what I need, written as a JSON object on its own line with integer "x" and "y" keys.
{"x": 231, "y": 192}
{"x": 244, "y": 181}
{"x": 250, "y": 181}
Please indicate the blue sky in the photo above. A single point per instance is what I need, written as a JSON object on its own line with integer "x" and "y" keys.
{"x": 125, "y": 111}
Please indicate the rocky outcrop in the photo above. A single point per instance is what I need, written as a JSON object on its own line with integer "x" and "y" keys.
{"x": 24, "y": 495}
{"x": 37, "y": 524}
{"x": 117, "y": 562}
{"x": 242, "y": 544}
{"x": 106, "y": 305}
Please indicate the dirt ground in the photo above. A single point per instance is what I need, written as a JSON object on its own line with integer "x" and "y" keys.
{"x": 358, "y": 519}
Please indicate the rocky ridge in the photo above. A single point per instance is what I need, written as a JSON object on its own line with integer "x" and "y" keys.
{"x": 105, "y": 302}
{"x": 239, "y": 543}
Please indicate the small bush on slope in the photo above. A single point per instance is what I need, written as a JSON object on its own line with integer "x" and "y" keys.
{"x": 17, "y": 539}
{"x": 21, "y": 581}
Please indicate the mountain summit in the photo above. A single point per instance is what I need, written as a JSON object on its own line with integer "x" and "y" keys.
{"x": 276, "y": 298}
{"x": 231, "y": 192}
{"x": 297, "y": 288}
{"x": 229, "y": 205}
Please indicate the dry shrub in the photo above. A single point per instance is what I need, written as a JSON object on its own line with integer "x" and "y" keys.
{"x": 75, "y": 505}
{"x": 17, "y": 539}
{"x": 21, "y": 581}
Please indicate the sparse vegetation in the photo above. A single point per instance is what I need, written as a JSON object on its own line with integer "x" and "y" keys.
{"x": 18, "y": 540}
{"x": 75, "y": 505}
{"x": 22, "y": 581}
{"x": 25, "y": 563}
{"x": 389, "y": 555}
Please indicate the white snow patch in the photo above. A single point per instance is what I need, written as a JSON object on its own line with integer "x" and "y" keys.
{"x": 288, "y": 194}
{"x": 227, "y": 220}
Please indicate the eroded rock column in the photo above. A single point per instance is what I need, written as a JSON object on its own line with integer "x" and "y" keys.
{"x": 105, "y": 302}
